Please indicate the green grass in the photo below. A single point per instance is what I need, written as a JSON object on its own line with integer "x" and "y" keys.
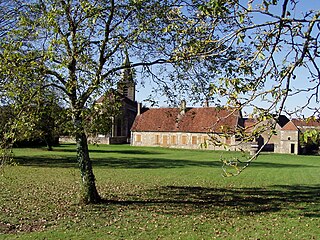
{"x": 156, "y": 193}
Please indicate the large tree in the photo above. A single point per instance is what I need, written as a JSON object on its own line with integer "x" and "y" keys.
{"x": 77, "y": 47}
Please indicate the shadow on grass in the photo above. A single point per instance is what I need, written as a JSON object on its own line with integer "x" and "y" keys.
{"x": 120, "y": 151}
{"x": 47, "y": 161}
{"x": 119, "y": 163}
{"x": 299, "y": 200}
{"x": 123, "y": 162}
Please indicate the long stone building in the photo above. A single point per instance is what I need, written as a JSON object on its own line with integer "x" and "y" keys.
{"x": 214, "y": 128}
{"x": 185, "y": 127}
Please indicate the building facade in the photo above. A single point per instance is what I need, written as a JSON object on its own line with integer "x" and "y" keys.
{"x": 216, "y": 129}
{"x": 190, "y": 128}
{"x": 123, "y": 120}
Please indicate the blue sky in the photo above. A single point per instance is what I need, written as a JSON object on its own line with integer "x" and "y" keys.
{"x": 300, "y": 82}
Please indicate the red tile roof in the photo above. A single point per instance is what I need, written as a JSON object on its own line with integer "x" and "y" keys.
{"x": 201, "y": 120}
{"x": 290, "y": 126}
{"x": 249, "y": 124}
{"x": 306, "y": 123}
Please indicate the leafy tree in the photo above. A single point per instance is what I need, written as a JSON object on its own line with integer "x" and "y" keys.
{"x": 77, "y": 47}
{"x": 310, "y": 140}
{"x": 49, "y": 118}
{"x": 42, "y": 126}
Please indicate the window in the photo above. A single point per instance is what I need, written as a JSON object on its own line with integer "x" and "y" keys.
{"x": 165, "y": 140}
{"x": 157, "y": 139}
{"x": 184, "y": 139}
{"x": 194, "y": 140}
{"x": 138, "y": 138}
{"x": 204, "y": 139}
{"x": 289, "y": 138}
{"x": 173, "y": 140}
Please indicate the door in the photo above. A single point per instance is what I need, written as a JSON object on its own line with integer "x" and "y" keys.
{"x": 292, "y": 148}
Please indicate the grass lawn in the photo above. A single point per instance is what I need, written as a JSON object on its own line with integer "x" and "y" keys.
{"x": 156, "y": 193}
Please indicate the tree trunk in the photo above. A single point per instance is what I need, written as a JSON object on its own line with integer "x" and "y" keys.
{"x": 89, "y": 193}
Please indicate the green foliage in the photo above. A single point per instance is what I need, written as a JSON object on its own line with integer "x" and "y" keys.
{"x": 311, "y": 137}
{"x": 310, "y": 140}
{"x": 100, "y": 117}
{"x": 38, "y": 120}
{"x": 219, "y": 8}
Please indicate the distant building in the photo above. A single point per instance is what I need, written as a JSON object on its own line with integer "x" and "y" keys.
{"x": 122, "y": 122}
{"x": 185, "y": 127}
{"x": 285, "y": 139}
{"x": 288, "y": 135}
{"x": 304, "y": 125}
{"x": 190, "y": 128}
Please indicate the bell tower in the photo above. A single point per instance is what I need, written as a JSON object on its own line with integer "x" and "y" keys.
{"x": 126, "y": 85}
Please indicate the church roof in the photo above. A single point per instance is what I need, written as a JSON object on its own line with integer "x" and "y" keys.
{"x": 203, "y": 120}
{"x": 114, "y": 94}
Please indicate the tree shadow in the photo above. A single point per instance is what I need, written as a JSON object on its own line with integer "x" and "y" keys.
{"x": 120, "y": 151}
{"x": 111, "y": 162}
{"x": 136, "y": 161}
{"x": 47, "y": 161}
{"x": 67, "y": 148}
{"x": 188, "y": 200}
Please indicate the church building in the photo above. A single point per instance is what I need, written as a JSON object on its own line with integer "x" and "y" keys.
{"x": 122, "y": 122}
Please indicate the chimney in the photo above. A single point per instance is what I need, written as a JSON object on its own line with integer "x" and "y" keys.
{"x": 206, "y": 103}
{"x": 138, "y": 109}
{"x": 183, "y": 107}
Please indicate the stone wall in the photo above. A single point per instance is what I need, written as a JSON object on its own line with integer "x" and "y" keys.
{"x": 67, "y": 139}
{"x": 98, "y": 140}
{"x": 178, "y": 140}
{"x": 289, "y": 142}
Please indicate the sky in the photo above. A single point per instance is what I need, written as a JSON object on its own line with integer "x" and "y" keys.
{"x": 300, "y": 82}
